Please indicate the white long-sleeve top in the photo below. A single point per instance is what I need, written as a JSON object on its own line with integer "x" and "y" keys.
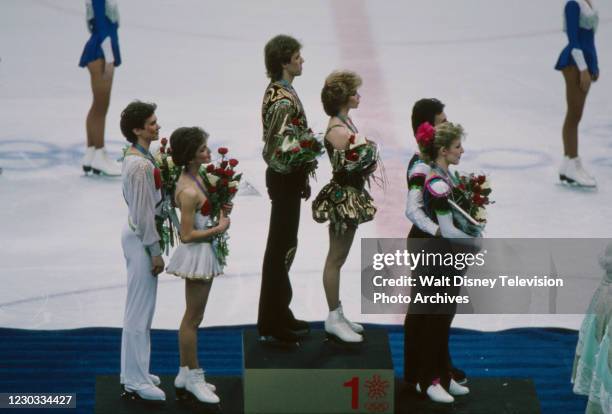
{"x": 414, "y": 202}
{"x": 440, "y": 190}
{"x": 143, "y": 200}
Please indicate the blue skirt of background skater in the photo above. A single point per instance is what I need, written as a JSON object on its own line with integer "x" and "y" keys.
{"x": 93, "y": 47}
{"x": 587, "y": 43}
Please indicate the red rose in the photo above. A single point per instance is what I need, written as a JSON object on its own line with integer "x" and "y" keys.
{"x": 352, "y": 139}
{"x": 210, "y": 168}
{"x": 233, "y": 162}
{"x": 352, "y": 156}
{"x": 205, "y": 210}
{"x": 481, "y": 179}
{"x": 169, "y": 150}
{"x": 461, "y": 187}
{"x": 224, "y": 182}
{"x": 162, "y": 150}
{"x": 295, "y": 121}
{"x": 219, "y": 171}
{"x": 164, "y": 142}
{"x": 295, "y": 150}
{"x": 224, "y": 164}
{"x": 229, "y": 173}
{"x": 304, "y": 144}
{"x": 212, "y": 189}
{"x": 233, "y": 190}
{"x": 222, "y": 150}
{"x": 157, "y": 177}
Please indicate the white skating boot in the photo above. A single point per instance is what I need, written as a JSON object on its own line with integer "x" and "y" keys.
{"x": 88, "y": 158}
{"x": 146, "y": 393}
{"x": 563, "y": 168}
{"x": 101, "y": 164}
{"x": 437, "y": 393}
{"x": 197, "y": 387}
{"x": 457, "y": 389}
{"x": 357, "y": 328}
{"x": 575, "y": 174}
{"x": 181, "y": 379}
{"x": 337, "y": 328}
{"x": 155, "y": 380}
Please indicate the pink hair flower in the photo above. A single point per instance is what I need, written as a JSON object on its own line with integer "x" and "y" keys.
{"x": 425, "y": 134}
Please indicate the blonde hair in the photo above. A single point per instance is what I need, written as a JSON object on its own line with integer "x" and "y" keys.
{"x": 339, "y": 87}
{"x": 446, "y": 134}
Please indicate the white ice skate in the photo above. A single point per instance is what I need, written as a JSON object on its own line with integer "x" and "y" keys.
{"x": 181, "y": 379}
{"x": 102, "y": 164}
{"x": 87, "y": 159}
{"x": 338, "y": 329}
{"x": 573, "y": 173}
{"x": 196, "y": 386}
{"x": 357, "y": 328}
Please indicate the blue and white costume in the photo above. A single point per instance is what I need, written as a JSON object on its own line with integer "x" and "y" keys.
{"x": 102, "y": 22}
{"x": 580, "y": 24}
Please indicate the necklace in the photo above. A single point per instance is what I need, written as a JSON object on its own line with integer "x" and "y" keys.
{"x": 349, "y": 123}
{"x": 200, "y": 186}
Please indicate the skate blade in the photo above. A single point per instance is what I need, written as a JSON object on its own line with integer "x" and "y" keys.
{"x": 331, "y": 338}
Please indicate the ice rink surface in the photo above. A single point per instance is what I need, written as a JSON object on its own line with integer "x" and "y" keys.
{"x": 491, "y": 62}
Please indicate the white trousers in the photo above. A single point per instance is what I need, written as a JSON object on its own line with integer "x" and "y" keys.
{"x": 139, "y": 309}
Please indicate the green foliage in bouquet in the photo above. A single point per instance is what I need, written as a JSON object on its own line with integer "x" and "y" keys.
{"x": 471, "y": 194}
{"x": 298, "y": 151}
{"x": 167, "y": 220}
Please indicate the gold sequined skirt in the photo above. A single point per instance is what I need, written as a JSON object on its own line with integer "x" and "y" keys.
{"x": 343, "y": 206}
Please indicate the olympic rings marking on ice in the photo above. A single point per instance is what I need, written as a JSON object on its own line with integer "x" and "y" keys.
{"x": 29, "y": 154}
{"x": 602, "y": 161}
{"x": 495, "y": 161}
{"x": 534, "y": 158}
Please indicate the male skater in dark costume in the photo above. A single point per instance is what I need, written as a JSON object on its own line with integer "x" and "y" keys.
{"x": 281, "y": 105}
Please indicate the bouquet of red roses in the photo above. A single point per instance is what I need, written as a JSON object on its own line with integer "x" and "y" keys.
{"x": 221, "y": 182}
{"x": 469, "y": 198}
{"x": 299, "y": 149}
{"x": 361, "y": 155}
{"x": 166, "y": 174}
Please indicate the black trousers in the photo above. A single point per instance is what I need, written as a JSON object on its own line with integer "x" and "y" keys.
{"x": 275, "y": 296}
{"x": 427, "y": 328}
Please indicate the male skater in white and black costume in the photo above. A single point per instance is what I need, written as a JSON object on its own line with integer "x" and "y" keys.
{"x": 281, "y": 105}
{"x": 140, "y": 242}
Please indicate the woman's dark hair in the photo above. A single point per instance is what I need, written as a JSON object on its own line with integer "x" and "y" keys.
{"x": 184, "y": 142}
{"x": 134, "y": 116}
{"x": 338, "y": 88}
{"x": 278, "y": 51}
{"x": 425, "y": 110}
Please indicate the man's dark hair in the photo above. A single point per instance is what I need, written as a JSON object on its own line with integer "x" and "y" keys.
{"x": 278, "y": 51}
{"x": 134, "y": 116}
{"x": 425, "y": 110}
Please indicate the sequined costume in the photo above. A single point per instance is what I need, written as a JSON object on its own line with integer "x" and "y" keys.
{"x": 281, "y": 105}
{"x": 344, "y": 201}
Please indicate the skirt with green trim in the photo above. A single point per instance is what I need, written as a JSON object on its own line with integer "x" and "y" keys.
{"x": 343, "y": 207}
